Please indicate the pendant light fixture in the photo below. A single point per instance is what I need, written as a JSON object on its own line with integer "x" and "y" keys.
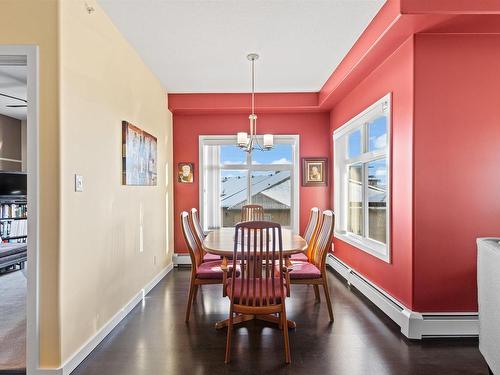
{"x": 249, "y": 141}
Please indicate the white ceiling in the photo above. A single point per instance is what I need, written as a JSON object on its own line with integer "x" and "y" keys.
{"x": 13, "y": 83}
{"x": 201, "y": 45}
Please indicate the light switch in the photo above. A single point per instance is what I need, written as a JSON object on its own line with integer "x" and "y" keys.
{"x": 78, "y": 183}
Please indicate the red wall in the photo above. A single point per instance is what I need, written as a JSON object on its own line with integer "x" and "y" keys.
{"x": 457, "y": 164}
{"x": 395, "y": 75}
{"x": 314, "y": 141}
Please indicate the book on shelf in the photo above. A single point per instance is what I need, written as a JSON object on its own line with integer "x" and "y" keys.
{"x": 13, "y": 228}
{"x": 13, "y": 221}
{"x": 13, "y": 210}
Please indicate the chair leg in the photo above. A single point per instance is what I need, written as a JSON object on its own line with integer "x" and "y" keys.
{"x": 229, "y": 334}
{"x": 195, "y": 293}
{"x": 327, "y": 297}
{"x": 316, "y": 293}
{"x": 284, "y": 324}
{"x": 288, "y": 284}
{"x": 190, "y": 300}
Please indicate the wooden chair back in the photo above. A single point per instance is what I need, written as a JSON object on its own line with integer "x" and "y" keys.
{"x": 195, "y": 251}
{"x": 259, "y": 246}
{"x": 323, "y": 240}
{"x": 312, "y": 224}
{"x": 196, "y": 227}
{"x": 312, "y": 227}
{"x": 252, "y": 212}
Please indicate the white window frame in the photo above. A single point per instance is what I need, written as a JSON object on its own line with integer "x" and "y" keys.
{"x": 293, "y": 140}
{"x": 341, "y": 164}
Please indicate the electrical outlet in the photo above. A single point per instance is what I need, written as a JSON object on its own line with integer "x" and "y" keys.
{"x": 154, "y": 259}
{"x": 78, "y": 183}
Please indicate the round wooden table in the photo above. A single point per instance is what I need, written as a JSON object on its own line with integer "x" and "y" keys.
{"x": 221, "y": 242}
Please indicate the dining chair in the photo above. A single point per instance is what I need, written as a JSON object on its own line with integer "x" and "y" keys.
{"x": 252, "y": 212}
{"x": 309, "y": 234}
{"x": 313, "y": 272}
{"x": 200, "y": 234}
{"x": 258, "y": 290}
{"x": 202, "y": 273}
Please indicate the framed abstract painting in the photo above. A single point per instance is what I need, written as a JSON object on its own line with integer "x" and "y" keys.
{"x": 139, "y": 156}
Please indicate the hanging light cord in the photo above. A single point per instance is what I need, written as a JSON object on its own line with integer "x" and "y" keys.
{"x": 253, "y": 86}
{"x": 253, "y": 141}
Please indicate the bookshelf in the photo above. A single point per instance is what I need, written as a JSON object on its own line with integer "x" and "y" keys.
{"x": 13, "y": 219}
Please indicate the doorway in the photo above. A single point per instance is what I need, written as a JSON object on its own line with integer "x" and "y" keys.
{"x": 18, "y": 209}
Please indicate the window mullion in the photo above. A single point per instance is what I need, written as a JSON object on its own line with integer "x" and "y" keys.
{"x": 365, "y": 181}
{"x": 365, "y": 200}
{"x": 365, "y": 138}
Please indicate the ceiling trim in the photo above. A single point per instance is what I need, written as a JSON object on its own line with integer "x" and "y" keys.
{"x": 240, "y": 103}
{"x": 450, "y": 7}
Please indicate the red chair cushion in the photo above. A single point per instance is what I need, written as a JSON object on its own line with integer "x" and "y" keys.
{"x": 304, "y": 270}
{"x": 210, "y": 257}
{"x": 260, "y": 299}
{"x": 209, "y": 270}
{"x": 212, "y": 270}
{"x": 300, "y": 257}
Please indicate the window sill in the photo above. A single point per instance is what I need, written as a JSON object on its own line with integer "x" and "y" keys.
{"x": 371, "y": 247}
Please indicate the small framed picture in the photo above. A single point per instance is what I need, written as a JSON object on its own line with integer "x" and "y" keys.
{"x": 314, "y": 171}
{"x": 185, "y": 173}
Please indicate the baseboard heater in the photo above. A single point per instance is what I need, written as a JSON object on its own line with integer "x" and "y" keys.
{"x": 181, "y": 260}
{"x": 414, "y": 325}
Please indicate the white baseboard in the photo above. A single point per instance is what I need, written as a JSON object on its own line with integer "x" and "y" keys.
{"x": 181, "y": 260}
{"x": 414, "y": 325}
{"x": 91, "y": 344}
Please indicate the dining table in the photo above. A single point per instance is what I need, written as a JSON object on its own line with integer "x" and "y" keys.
{"x": 221, "y": 242}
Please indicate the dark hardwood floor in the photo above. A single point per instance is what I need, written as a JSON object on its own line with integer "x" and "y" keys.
{"x": 154, "y": 339}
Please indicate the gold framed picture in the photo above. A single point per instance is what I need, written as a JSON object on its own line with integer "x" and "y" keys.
{"x": 185, "y": 173}
{"x": 314, "y": 171}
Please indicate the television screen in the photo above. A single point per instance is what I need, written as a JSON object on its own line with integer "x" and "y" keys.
{"x": 12, "y": 183}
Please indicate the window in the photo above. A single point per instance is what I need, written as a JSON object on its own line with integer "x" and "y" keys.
{"x": 361, "y": 180}
{"x": 231, "y": 178}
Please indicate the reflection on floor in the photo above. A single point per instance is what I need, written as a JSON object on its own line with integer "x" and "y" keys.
{"x": 154, "y": 339}
{"x": 13, "y": 320}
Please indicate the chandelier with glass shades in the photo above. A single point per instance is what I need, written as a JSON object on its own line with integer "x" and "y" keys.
{"x": 250, "y": 141}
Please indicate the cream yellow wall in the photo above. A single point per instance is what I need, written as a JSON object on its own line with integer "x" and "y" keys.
{"x": 103, "y": 81}
{"x": 34, "y": 22}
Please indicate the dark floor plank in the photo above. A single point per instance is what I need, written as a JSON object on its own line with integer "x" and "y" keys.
{"x": 154, "y": 339}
